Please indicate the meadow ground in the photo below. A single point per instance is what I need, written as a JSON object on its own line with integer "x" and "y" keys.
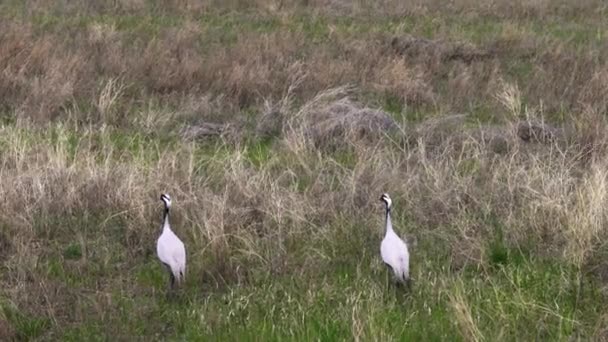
{"x": 276, "y": 126}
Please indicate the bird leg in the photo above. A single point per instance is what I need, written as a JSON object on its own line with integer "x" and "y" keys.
{"x": 170, "y": 290}
{"x": 389, "y": 271}
{"x": 171, "y": 281}
{"x": 405, "y": 284}
{"x": 386, "y": 280}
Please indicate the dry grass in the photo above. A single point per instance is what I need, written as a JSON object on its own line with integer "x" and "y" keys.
{"x": 466, "y": 322}
{"x": 239, "y": 215}
{"x": 280, "y": 213}
{"x": 48, "y": 71}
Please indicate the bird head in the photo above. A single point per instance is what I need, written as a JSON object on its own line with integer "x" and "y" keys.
{"x": 166, "y": 199}
{"x": 387, "y": 200}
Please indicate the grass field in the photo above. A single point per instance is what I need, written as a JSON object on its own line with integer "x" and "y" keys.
{"x": 276, "y": 126}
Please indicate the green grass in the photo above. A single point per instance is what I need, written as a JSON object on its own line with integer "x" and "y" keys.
{"x": 524, "y": 300}
{"x": 26, "y": 327}
{"x": 224, "y": 27}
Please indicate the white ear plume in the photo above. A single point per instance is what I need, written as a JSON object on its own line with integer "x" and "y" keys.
{"x": 386, "y": 199}
{"x": 166, "y": 199}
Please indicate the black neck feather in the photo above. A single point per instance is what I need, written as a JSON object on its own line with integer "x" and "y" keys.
{"x": 165, "y": 218}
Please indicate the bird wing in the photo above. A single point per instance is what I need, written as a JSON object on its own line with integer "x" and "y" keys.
{"x": 171, "y": 251}
{"x": 394, "y": 252}
{"x": 388, "y": 252}
{"x": 179, "y": 257}
{"x": 161, "y": 250}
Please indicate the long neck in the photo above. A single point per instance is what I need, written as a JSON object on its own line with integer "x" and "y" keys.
{"x": 389, "y": 224}
{"x": 166, "y": 220}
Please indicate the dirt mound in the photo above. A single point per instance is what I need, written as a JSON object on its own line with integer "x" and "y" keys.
{"x": 270, "y": 123}
{"x": 454, "y": 130}
{"x": 344, "y": 119}
{"x": 538, "y": 132}
{"x": 417, "y": 47}
{"x": 206, "y": 130}
{"x": 329, "y": 120}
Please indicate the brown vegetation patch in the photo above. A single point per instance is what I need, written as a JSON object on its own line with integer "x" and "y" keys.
{"x": 205, "y": 130}
{"x": 5, "y": 244}
{"x": 49, "y": 75}
{"x": 344, "y": 118}
{"x": 538, "y": 132}
{"x": 7, "y": 332}
{"x": 421, "y": 48}
{"x": 331, "y": 124}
